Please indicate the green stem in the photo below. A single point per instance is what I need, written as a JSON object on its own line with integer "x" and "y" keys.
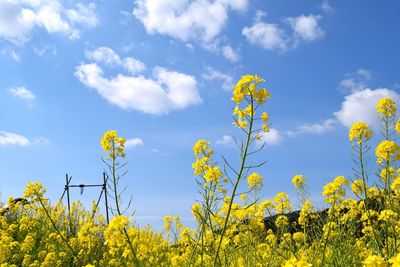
{"x": 239, "y": 176}
{"x": 57, "y": 230}
{"x": 113, "y": 172}
{"x": 364, "y": 178}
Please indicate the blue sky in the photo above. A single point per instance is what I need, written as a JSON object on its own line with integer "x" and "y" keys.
{"x": 160, "y": 73}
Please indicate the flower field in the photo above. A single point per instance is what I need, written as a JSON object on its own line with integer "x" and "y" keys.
{"x": 359, "y": 227}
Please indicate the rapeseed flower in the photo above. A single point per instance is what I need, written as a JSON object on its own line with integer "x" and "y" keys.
{"x": 387, "y": 150}
{"x": 374, "y": 261}
{"x": 359, "y": 132}
{"x": 298, "y": 181}
{"x": 335, "y": 190}
{"x": 113, "y": 144}
{"x": 254, "y": 180}
{"x": 282, "y": 203}
{"x": 358, "y": 187}
{"x": 397, "y": 127}
{"x": 386, "y": 107}
{"x": 395, "y": 261}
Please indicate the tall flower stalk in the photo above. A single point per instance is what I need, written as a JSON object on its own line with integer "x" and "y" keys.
{"x": 115, "y": 147}
{"x": 248, "y": 98}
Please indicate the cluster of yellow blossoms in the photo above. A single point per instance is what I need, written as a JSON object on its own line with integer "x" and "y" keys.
{"x": 387, "y": 150}
{"x": 333, "y": 191}
{"x": 113, "y": 144}
{"x": 298, "y": 181}
{"x": 386, "y": 107}
{"x": 203, "y": 166}
{"x": 254, "y": 180}
{"x": 247, "y": 89}
{"x": 359, "y": 132}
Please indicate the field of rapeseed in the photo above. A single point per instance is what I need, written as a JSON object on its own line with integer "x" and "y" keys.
{"x": 233, "y": 228}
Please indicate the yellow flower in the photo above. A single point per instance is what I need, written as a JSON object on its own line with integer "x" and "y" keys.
{"x": 213, "y": 174}
{"x": 396, "y": 184}
{"x": 110, "y": 142}
{"x": 395, "y": 261}
{"x": 330, "y": 230}
{"x": 373, "y": 192}
{"x": 386, "y": 150}
{"x": 34, "y": 190}
{"x": 397, "y": 127}
{"x": 358, "y": 186}
{"x": 386, "y": 107}
{"x": 201, "y": 147}
{"x": 167, "y": 222}
{"x": 298, "y": 181}
{"x": 281, "y": 221}
{"x": 196, "y": 211}
{"x": 254, "y": 180}
{"x": 264, "y": 117}
{"x": 293, "y": 262}
{"x": 334, "y": 190}
{"x": 245, "y": 86}
{"x": 298, "y": 236}
{"x": 265, "y": 128}
{"x": 247, "y": 89}
{"x": 201, "y": 165}
{"x": 118, "y": 222}
{"x": 261, "y": 95}
{"x": 282, "y": 203}
{"x": 388, "y": 173}
{"x": 240, "y": 123}
{"x": 305, "y": 212}
{"x": 387, "y": 216}
{"x": 359, "y": 132}
{"x": 374, "y": 261}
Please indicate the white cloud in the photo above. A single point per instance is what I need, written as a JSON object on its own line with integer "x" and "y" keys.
{"x": 212, "y": 74}
{"x": 357, "y": 106}
{"x": 15, "y": 22}
{"x": 314, "y": 128}
{"x": 22, "y": 92}
{"x": 272, "y": 138}
{"x": 134, "y": 142}
{"x": 360, "y": 106}
{"x": 105, "y": 55}
{"x": 18, "y": 18}
{"x": 13, "y": 139}
{"x": 230, "y": 54}
{"x": 109, "y": 57}
{"x": 326, "y": 7}
{"x": 355, "y": 81}
{"x": 7, "y": 138}
{"x": 45, "y": 49}
{"x": 165, "y": 92}
{"x": 155, "y": 150}
{"x": 307, "y": 27}
{"x": 15, "y": 56}
{"x": 40, "y": 141}
{"x": 259, "y": 15}
{"x": 85, "y": 15}
{"x": 50, "y": 17}
{"x": 133, "y": 65}
{"x": 273, "y": 37}
{"x": 186, "y": 20}
{"x": 226, "y": 140}
{"x": 269, "y": 36}
{"x": 11, "y": 53}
